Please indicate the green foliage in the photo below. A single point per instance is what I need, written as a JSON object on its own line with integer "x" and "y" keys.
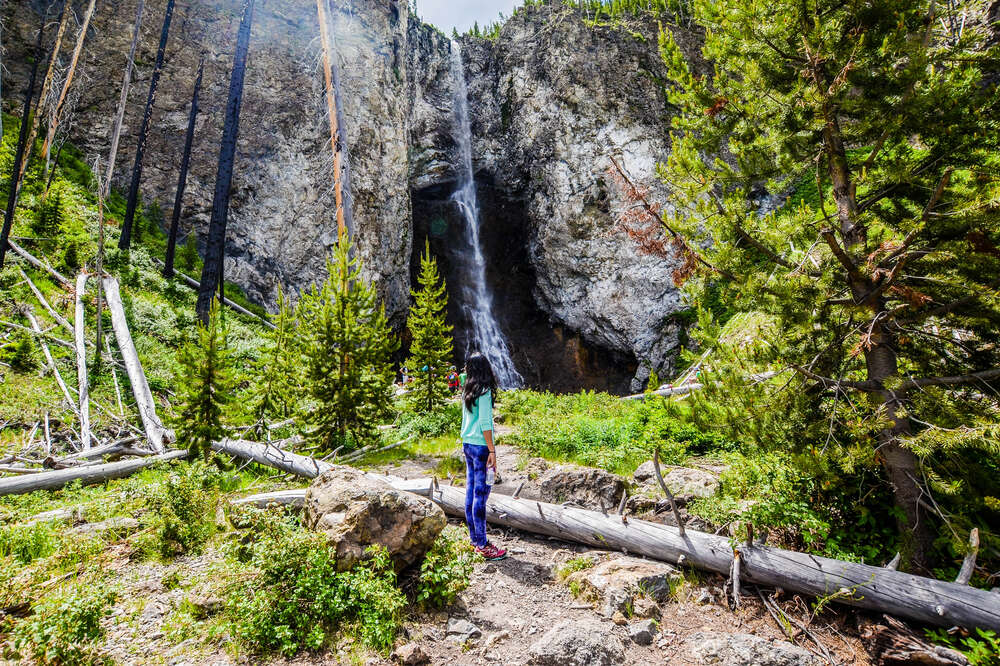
{"x": 982, "y": 648}
{"x": 187, "y": 257}
{"x": 205, "y": 388}
{"x": 431, "y": 348}
{"x": 291, "y": 596}
{"x": 50, "y": 214}
{"x": 571, "y": 566}
{"x": 347, "y": 349}
{"x": 19, "y": 353}
{"x": 27, "y": 543}
{"x": 65, "y": 628}
{"x": 442, "y": 421}
{"x": 180, "y": 511}
{"x": 446, "y": 569}
{"x": 278, "y": 372}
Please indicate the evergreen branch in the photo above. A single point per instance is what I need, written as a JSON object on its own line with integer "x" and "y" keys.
{"x": 909, "y": 384}
{"x": 841, "y": 255}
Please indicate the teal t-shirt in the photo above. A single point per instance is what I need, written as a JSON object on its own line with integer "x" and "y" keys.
{"x": 477, "y": 421}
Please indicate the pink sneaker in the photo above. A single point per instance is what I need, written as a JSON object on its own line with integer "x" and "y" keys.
{"x": 491, "y": 552}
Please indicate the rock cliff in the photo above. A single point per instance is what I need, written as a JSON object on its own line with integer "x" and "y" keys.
{"x": 552, "y": 99}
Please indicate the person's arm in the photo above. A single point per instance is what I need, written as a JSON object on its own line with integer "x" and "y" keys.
{"x": 486, "y": 425}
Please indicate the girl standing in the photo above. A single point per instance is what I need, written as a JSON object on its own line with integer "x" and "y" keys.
{"x": 480, "y": 452}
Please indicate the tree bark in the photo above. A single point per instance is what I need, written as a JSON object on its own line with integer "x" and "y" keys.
{"x": 40, "y": 265}
{"x": 51, "y": 361}
{"x": 70, "y": 74}
{"x": 88, "y": 475}
{"x": 40, "y": 297}
{"x": 19, "y": 156}
{"x": 168, "y": 266}
{"x": 81, "y": 362}
{"x": 133, "y": 194}
{"x": 211, "y": 276}
{"x": 155, "y": 431}
{"x": 116, "y": 132}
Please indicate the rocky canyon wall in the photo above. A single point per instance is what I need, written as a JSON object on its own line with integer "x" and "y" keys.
{"x": 552, "y": 99}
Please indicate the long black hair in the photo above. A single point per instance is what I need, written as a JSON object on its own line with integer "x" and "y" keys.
{"x": 479, "y": 380}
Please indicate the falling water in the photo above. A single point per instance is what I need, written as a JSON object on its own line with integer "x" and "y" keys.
{"x": 477, "y": 302}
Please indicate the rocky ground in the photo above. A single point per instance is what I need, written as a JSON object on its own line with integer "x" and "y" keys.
{"x": 532, "y": 608}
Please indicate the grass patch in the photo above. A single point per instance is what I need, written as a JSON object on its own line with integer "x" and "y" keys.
{"x": 573, "y": 565}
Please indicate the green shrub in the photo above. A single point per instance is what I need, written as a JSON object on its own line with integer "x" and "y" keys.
{"x": 50, "y": 214}
{"x": 180, "y": 511}
{"x": 573, "y": 565}
{"x": 27, "y": 543}
{"x": 442, "y": 421}
{"x": 65, "y": 628}
{"x": 20, "y": 353}
{"x": 188, "y": 255}
{"x": 292, "y": 597}
{"x": 446, "y": 569}
{"x": 982, "y": 649}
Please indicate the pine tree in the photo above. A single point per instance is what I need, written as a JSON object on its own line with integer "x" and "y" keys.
{"x": 279, "y": 370}
{"x": 432, "y": 346}
{"x": 205, "y": 385}
{"x": 878, "y": 277}
{"x": 347, "y": 347}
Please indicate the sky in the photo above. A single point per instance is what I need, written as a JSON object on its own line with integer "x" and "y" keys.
{"x": 448, "y": 14}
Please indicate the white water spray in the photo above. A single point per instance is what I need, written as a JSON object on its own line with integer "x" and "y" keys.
{"x": 476, "y": 300}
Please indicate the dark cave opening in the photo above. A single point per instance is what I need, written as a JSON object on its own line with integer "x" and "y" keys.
{"x": 548, "y": 356}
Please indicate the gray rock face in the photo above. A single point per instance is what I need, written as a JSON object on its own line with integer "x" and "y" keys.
{"x": 577, "y": 643}
{"x": 462, "y": 630}
{"x": 746, "y": 650}
{"x": 552, "y": 99}
{"x": 356, "y": 512}
{"x": 586, "y": 486}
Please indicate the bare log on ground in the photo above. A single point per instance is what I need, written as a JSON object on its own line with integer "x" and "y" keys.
{"x": 292, "y": 498}
{"x": 875, "y": 588}
{"x": 40, "y": 265}
{"x": 88, "y": 475}
{"x": 48, "y": 358}
{"x": 81, "y": 362}
{"x": 155, "y": 432}
{"x": 40, "y": 297}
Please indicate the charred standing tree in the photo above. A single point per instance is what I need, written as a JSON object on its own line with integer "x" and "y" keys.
{"x": 15, "y": 182}
{"x": 116, "y": 133}
{"x": 70, "y": 74}
{"x": 211, "y": 275}
{"x": 133, "y": 193}
{"x": 168, "y": 266}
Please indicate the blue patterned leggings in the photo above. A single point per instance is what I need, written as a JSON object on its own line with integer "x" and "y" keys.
{"x": 476, "y": 491}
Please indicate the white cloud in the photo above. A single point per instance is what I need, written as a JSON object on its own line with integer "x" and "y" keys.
{"x": 461, "y": 14}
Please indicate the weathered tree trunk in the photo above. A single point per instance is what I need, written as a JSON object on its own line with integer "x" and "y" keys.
{"x": 51, "y": 361}
{"x": 70, "y": 74}
{"x": 155, "y": 431}
{"x": 81, "y": 362}
{"x": 168, "y": 266}
{"x": 88, "y": 475}
{"x": 211, "y": 276}
{"x": 40, "y": 297}
{"x": 67, "y": 10}
{"x": 133, "y": 193}
{"x": 19, "y": 157}
{"x": 116, "y": 132}
{"x": 40, "y": 265}
{"x": 100, "y": 274}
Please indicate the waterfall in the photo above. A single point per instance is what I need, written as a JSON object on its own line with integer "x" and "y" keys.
{"x": 476, "y": 299}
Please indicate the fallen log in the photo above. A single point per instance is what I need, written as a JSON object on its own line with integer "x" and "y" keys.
{"x": 875, "y": 588}
{"x": 81, "y": 362}
{"x": 40, "y": 265}
{"x": 292, "y": 498}
{"x": 40, "y": 297}
{"x": 48, "y": 358}
{"x": 157, "y": 434}
{"x": 89, "y": 475}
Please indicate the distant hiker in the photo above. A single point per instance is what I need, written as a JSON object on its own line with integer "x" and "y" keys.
{"x": 453, "y": 381}
{"x": 480, "y": 452}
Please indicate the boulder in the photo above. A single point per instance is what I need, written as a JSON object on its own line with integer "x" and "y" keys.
{"x": 746, "y": 650}
{"x": 687, "y": 483}
{"x": 614, "y": 585}
{"x": 356, "y": 511}
{"x": 646, "y": 472}
{"x": 642, "y": 633}
{"x": 588, "y": 487}
{"x": 577, "y": 643}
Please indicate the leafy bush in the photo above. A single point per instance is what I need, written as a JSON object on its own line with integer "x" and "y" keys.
{"x": 20, "y": 353}
{"x": 446, "y": 569}
{"x": 292, "y": 596}
{"x": 441, "y": 421}
{"x": 26, "y": 543}
{"x": 982, "y": 649}
{"x": 181, "y": 511}
{"x": 65, "y": 628}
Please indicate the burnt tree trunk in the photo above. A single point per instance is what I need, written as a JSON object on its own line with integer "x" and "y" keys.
{"x": 211, "y": 275}
{"x": 22, "y": 140}
{"x": 116, "y": 133}
{"x": 133, "y": 194}
{"x": 168, "y": 266}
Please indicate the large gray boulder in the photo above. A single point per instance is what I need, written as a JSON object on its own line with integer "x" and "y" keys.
{"x": 356, "y": 511}
{"x": 577, "y": 643}
{"x": 746, "y": 650}
{"x": 614, "y": 585}
{"x": 588, "y": 487}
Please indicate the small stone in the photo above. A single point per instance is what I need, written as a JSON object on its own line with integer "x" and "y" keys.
{"x": 411, "y": 654}
{"x": 642, "y": 632}
{"x": 462, "y": 630}
{"x": 619, "y": 619}
{"x": 646, "y": 607}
